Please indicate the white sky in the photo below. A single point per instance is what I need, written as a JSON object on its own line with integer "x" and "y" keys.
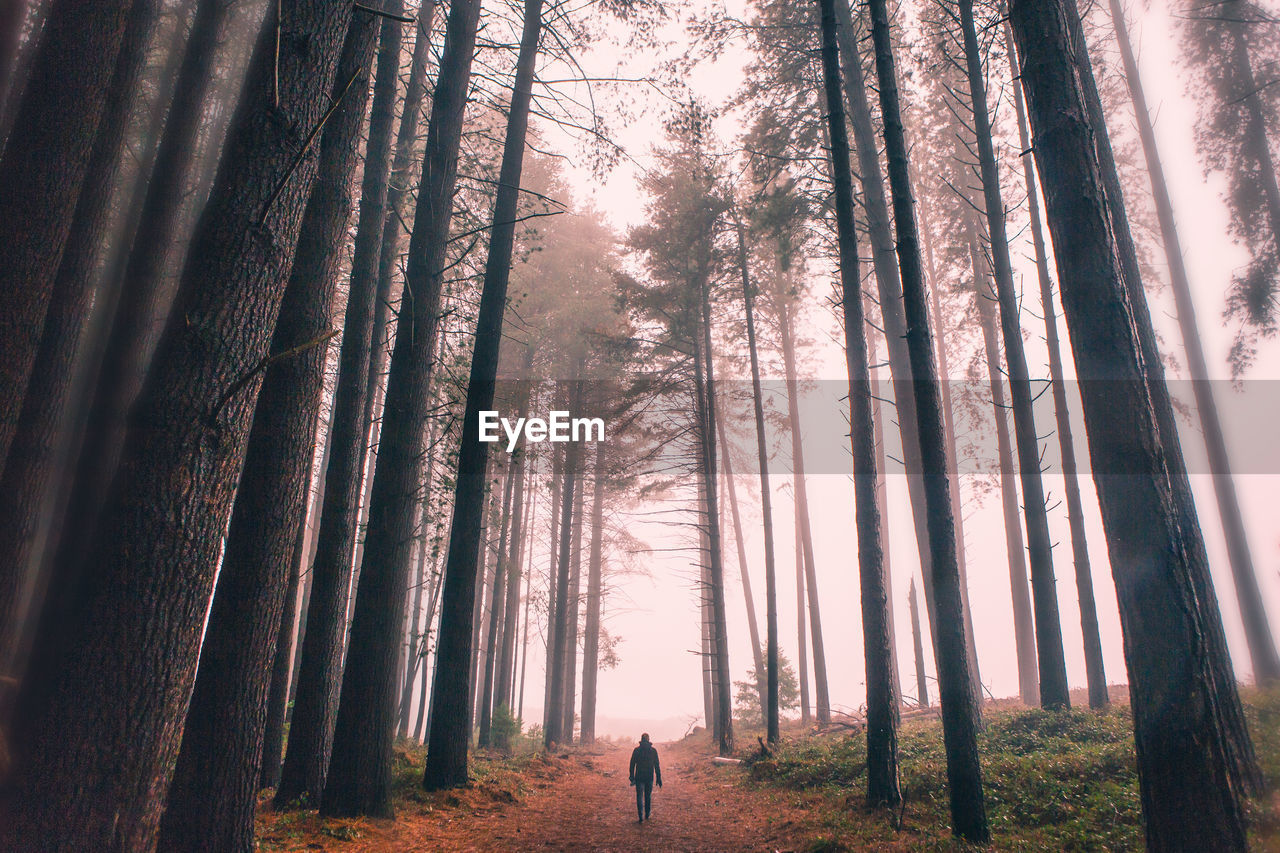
{"x": 657, "y": 617}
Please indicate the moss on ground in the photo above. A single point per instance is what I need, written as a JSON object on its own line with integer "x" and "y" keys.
{"x": 1054, "y": 780}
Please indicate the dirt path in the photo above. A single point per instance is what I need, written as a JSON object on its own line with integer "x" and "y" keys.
{"x": 580, "y": 803}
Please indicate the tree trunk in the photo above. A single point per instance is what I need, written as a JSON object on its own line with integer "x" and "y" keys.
{"x": 1095, "y": 672}
{"x": 498, "y": 604}
{"x": 964, "y": 774}
{"x": 882, "y": 707}
{"x": 1054, "y": 692}
{"x": 821, "y": 694}
{"x": 957, "y": 505}
{"x": 559, "y": 616}
{"x": 1217, "y": 659}
{"x": 97, "y": 779}
{"x": 802, "y": 650}
{"x": 595, "y": 566}
{"x": 147, "y": 292}
{"x": 706, "y": 391}
{"x": 1262, "y": 648}
{"x": 882, "y": 505}
{"x": 446, "y": 763}
{"x": 1023, "y": 625}
{"x": 1190, "y": 757}
{"x": 13, "y": 17}
{"x": 922, "y": 683}
{"x": 282, "y": 659}
{"x": 889, "y": 290}
{"x": 574, "y": 601}
{"x": 320, "y": 667}
{"x": 506, "y": 654}
{"x": 766, "y": 499}
{"x": 41, "y": 440}
{"x": 753, "y": 630}
{"x": 222, "y": 743}
{"x": 42, "y": 168}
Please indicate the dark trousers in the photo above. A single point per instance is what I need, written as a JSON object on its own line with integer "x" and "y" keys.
{"x": 644, "y": 793}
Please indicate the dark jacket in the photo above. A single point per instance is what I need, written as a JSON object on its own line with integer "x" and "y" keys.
{"x": 644, "y": 764}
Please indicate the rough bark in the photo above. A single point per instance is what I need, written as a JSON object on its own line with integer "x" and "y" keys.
{"x": 320, "y": 666}
{"x": 41, "y": 442}
{"x": 1094, "y": 669}
{"x": 95, "y": 776}
{"x": 964, "y": 775}
{"x": 446, "y": 763}
{"x": 1189, "y": 755}
{"x": 222, "y": 742}
{"x": 1262, "y": 647}
{"x": 359, "y": 781}
{"x": 145, "y": 294}
{"x": 882, "y": 706}
{"x": 42, "y": 168}
{"x": 1054, "y": 692}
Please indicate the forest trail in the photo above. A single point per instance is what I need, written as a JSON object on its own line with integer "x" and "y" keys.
{"x": 585, "y": 806}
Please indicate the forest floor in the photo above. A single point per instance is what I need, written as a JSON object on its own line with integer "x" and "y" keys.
{"x": 578, "y": 800}
{"x": 1053, "y": 780}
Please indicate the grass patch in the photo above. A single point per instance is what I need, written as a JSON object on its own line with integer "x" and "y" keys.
{"x": 1054, "y": 780}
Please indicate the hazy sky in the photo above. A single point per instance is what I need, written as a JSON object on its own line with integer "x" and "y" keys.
{"x": 657, "y": 616}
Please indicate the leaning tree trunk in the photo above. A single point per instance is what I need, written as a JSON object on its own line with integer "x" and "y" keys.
{"x": 94, "y": 777}
{"x": 964, "y": 774}
{"x": 882, "y": 706}
{"x": 1054, "y": 692}
{"x": 1239, "y": 745}
{"x": 320, "y": 666}
{"x": 446, "y": 763}
{"x": 212, "y": 802}
{"x": 1094, "y": 669}
{"x": 591, "y": 640}
{"x": 1189, "y": 754}
{"x": 40, "y": 442}
{"x": 1024, "y": 638}
{"x": 822, "y": 696}
{"x": 43, "y": 165}
{"x": 1262, "y": 647}
{"x": 146, "y": 290}
{"x": 766, "y": 499}
{"x": 889, "y": 292}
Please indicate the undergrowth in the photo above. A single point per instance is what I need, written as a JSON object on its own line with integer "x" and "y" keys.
{"x": 1054, "y": 780}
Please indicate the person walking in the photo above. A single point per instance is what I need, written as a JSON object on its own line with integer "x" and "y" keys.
{"x": 644, "y": 771}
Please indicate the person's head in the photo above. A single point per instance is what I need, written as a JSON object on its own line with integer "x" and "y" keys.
{"x": 644, "y": 738}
